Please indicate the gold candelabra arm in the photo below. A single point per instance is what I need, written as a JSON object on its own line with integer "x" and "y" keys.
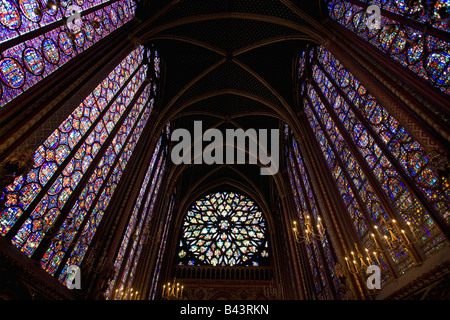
{"x": 309, "y": 233}
{"x": 172, "y": 291}
{"x": 51, "y": 5}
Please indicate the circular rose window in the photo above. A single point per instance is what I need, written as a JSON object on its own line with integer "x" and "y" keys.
{"x": 223, "y": 229}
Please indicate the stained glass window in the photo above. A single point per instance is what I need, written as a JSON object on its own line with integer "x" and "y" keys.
{"x": 78, "y": 168}
{"x": 135, "y": 234}
{"x": 126, "y": 280}
{"x": 46, "y": 211}
{"x": 133, "y": 219}
{"x": 224, "y": 229}
{"x": 320, "y": 254}
{"x": 106, "y": 175}
{"x": 162, "y": 248}
{"x": 76, "y": 128}
{"x": 382, "y": 174}
{"x": 157, "y": 64}
{"x": 414, "y": 33}
{"x": 29, "y": 55}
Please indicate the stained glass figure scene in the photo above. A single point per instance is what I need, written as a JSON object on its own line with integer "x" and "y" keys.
{"x": 376, "y": 165}
{"x": 413, "y": 33}
{"x": 224, "y": 229}
{"x": 96, "y": 140}
{"x": 37, "y": 39}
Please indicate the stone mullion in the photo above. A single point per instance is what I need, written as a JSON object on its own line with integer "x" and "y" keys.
{"x": 302, "y": 258}
{"x": 149, "y": 260}
{"x": 166, "y": 263}
{"x": 37, "y": 32}
{"x": 386, "y": 204}
{"x": 394, "y": 96}
{"x": 301, "y": 253}
{"x": 326, "y": 180}
{"x": 40, "y": 251}
{"x": 147, "y": 221}
{"x": 106, "y": 233}
{"x": 321, "y": 253}
{"x": 117, "y": 215}
{"x": 404, "y": 21}
{"x": 404, "y": 176}
{"x": 125, "y": 201}
{"x": 303, "y": 273}
{"x": 27, "y": 213}
{"x": 311, "y": 247}
{"x": 142, "y": 234}
{"x": 152, "y": 261}
{"x": 300, "y": 189}
{"x": 305, "y": 269}
{"x": 143, "y": 271}
{"x": 139, "y": 216}
{"x": 328, "y": 207}
{"x": 322, "y": 206}
{"x": 25, "y": 118}
{"x": 357, "y": 198}
{"x": 298, "y": 268}
{"x": 143, "y": 266}
{"x": 130, "y": 191}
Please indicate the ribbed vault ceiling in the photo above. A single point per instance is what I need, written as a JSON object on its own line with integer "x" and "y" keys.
{"x": 230, "y": 64}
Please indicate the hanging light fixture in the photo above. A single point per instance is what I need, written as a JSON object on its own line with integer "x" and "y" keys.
{"x": 172, "y": 290}
{"x": 51, "y": 5}
{"x": 309, "y": 233}
{"x": 95, "y": 24}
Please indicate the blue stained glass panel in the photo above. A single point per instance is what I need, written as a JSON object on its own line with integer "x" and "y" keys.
{"x": 40, "y": 55}
{"x": 423, "y": 52}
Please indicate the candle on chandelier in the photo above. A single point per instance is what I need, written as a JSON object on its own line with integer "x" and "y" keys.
{"x": 346, "y": 261}
{"x": 406, "y": 237}
{"x": 368, "y": 256}
{"x": 354, "y": 261}
{"x": 387, "y": 240}
{"x": 410, "y": 228}
{"x": 376, "y": 257}
{"x": 378, "y": 231}
{"x": 320, "y": 227}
